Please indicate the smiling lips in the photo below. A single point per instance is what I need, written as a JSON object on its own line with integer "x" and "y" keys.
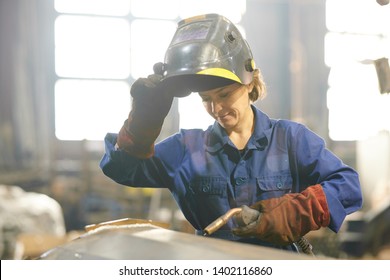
{"x": 223, "y": 117}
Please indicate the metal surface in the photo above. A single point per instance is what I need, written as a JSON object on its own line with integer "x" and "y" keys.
{"x": 125, "y": 221}
{"x": 148, "y": 242}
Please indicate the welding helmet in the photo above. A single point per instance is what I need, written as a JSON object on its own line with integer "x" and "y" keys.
{"x": 206, "y": 52}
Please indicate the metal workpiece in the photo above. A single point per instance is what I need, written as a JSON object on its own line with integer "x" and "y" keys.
{"x": 149, "y": 242}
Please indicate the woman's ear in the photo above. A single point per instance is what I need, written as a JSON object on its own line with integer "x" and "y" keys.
{"x": 250, "y": 87}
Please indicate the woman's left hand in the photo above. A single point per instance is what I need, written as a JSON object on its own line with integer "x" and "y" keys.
{"x": 286, "y": 219}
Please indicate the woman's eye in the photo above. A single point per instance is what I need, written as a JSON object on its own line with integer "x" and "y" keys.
{"x": 224, "y": 95}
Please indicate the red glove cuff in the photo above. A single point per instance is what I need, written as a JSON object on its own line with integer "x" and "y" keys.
{"x": 320, "y": 210}
{"x": 126, "y": 142}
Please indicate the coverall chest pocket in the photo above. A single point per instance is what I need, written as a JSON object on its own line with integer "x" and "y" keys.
{"x": 212, "y": 187}
{"x": 207, "y": 199}
{"x": 273, "y": 186}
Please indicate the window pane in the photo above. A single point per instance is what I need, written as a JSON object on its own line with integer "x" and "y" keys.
{"x": 149, "y": 42}
{"x": 232, "y": 9}
{"x": 88, "y": 109}
{"x": 347, "y": 48}
{"x": 354, "y": 115}
{"x": 92, "y": 47}
{"x": 357, "y": 16}
{"x": 192, "y": 113}
{"x": 96, "y": 7}
{"x": 360, "y": 35}
{"x": 354, "y": 107}
{"x": 167, "y": 9}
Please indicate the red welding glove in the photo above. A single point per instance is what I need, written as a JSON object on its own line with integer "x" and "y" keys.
{"x": 286, "y": 219}
{"x": 150, "y": 106}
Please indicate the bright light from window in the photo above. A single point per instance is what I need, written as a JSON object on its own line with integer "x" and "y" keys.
{"x": 149, "y": 41}
{"x": 353, "y": 104}
{"x": 92, "y": 47}
{"x": 365, "y": 117}
{"x": 167, "y": 9}
{"x": 360, "y": 34}
{"x": 348, "y": 48}
{"x": 232, "y": 9}
{"x": 192, "y": 113}
{"x": 88, "y": 109}
{"x": 96, "y": 7}
{"x": 357, "y": 16}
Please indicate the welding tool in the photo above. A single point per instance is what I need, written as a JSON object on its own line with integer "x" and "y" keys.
{"x": 244, "y": 216}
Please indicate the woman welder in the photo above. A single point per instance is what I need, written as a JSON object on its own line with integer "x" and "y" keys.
{"x": 278, "y": 167}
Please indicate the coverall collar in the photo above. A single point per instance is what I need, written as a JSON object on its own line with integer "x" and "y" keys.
{"x": 259, "y": 139}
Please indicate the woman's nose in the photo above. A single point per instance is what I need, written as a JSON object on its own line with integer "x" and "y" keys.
{"x": 215, "y": 106}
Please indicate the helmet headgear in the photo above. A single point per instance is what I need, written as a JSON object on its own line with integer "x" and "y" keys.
{"x": 206, "y": 52}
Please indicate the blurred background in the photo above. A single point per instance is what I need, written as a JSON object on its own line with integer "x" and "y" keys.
{"x": 66, "y": 67}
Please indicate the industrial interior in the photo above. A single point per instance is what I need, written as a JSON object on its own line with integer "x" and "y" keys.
{"x": 66, "y": 69}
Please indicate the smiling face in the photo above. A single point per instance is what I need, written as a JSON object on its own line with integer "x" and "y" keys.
{"x": 229, "y": 106}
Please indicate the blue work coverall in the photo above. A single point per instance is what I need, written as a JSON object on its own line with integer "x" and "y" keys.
{"x": 207, "y": 175}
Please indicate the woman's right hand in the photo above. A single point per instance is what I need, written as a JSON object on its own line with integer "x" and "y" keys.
{"x": 150, "y": 105}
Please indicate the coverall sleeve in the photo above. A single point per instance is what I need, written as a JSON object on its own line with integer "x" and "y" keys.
{"x": 318, "y": 165}
{"x": 155, "y": 172}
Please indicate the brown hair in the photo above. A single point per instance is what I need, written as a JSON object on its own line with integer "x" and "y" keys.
{"x": 259, "y": 89}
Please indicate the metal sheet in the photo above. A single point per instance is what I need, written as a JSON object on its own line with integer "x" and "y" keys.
{"x": 149, "y": 242}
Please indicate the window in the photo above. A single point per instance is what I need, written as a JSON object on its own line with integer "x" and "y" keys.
{"x": 92, "y": 47}
{"x": 356, "y": 37}
{"x": 102, "y": 46}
